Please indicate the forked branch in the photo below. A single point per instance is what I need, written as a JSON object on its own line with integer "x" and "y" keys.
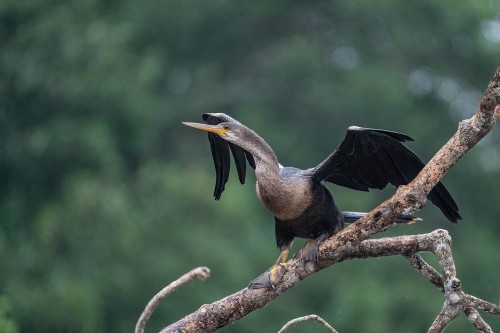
{"x": 437, "y": 242}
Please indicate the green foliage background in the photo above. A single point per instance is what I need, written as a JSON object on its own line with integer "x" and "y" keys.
{"x": 105, "y": 197}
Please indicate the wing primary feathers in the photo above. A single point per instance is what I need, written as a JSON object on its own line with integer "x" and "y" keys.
{"x": 372, "y": 158}
{"x": 226, "y": 162}
{"x": 250, "y": 159}
{"x": 222, "y": 163}
{"x": 239, "y": 160}
{"x": 440, "y": 197}
{"x": 215, "y": 159}
{"x": 396, "y": 135}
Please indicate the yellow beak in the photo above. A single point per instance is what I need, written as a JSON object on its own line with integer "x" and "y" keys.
{"x": 217, "y": 129}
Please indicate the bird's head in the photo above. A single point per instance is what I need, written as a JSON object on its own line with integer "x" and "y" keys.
{"x": 236, "y": 134}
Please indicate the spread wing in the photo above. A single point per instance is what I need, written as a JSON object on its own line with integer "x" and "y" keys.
{"x": 220, "y": 153}
{"x": 372, "y": 158}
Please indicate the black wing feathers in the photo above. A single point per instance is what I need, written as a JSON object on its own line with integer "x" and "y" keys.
{"x": 250, "y": 159}
{"x": 372, "y": 158}
{"x": 239, "y": 160}
{"x": 220, "y": 153}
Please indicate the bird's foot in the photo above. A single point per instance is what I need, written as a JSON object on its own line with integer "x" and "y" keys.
{"x": 310, "y": 252}
{"x": 270, "y": 278}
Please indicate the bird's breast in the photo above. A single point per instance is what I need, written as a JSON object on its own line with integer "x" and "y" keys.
{"x": 286, "y": 199}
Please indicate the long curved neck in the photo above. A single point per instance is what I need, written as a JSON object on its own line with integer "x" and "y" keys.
{"x": 286, "y": 197}
{"x": 265, "y": 158}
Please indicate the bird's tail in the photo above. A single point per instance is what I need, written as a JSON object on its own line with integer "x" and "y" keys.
{"x": 351, "y": 217}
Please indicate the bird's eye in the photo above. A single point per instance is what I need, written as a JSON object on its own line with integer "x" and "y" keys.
{"x": 226, "y": 127}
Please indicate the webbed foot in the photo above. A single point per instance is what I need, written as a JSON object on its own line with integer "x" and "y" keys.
{"x": 310, "y": 251}
{"x": 270, "y": 278}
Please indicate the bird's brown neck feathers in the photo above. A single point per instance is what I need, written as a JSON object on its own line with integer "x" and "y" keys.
{"x": 286, "y": 197}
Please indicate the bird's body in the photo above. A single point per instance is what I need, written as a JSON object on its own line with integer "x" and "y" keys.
{"x": 287, "y": 193}
{"x": 302, "y": 207}
{"x": 319, "y": 217}
{"x": 301, "y": 204}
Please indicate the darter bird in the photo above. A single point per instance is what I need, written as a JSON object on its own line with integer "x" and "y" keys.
{"x": 301, "y": 204}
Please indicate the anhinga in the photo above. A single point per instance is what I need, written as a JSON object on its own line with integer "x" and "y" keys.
{"x": 302, "y": 206}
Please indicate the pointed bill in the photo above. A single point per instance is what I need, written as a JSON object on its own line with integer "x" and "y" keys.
{"x": 217, "y": 129}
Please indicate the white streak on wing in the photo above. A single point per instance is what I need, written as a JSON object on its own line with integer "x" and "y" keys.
{"x": 355, "y": 128}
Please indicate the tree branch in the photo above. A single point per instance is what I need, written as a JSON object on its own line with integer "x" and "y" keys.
{"x": 443, "y": 318}
{"x": 312, "y": 317}
{"x": 407, "y": 200}
{"x": 476, "y": 320}
{"x": 474, "y": 302}
{"x": 426, "y": 270}
{"x": 201, "y": 273}
{"x": 210, "y": 316}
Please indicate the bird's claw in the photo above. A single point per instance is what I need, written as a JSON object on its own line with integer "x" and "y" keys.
{"x": 310, "y": 252}
{"x": 270, "y": 278}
